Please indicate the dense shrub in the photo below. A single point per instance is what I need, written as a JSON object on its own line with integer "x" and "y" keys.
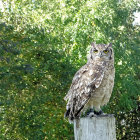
{"x": 42, "y": 45}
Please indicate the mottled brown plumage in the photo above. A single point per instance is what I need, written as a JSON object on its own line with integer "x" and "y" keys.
{"x": 93, "y": 83}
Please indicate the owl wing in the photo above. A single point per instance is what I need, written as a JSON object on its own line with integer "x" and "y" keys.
{"x": 85, "y": 81}
{"x": 75, "y": 82}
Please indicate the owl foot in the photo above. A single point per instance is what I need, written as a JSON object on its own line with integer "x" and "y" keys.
{"x": 90, "y": 113}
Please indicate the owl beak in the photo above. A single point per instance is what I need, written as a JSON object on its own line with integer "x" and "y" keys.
{"x": 100, "y": 54}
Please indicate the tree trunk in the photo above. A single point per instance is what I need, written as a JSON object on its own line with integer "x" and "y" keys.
{"x": 95, "y": 128}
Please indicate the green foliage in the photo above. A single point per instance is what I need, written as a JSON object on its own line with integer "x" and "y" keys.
{"x": 42, "y": 45}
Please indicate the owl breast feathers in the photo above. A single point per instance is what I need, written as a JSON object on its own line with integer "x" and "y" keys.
{"x": 93, "y": 83}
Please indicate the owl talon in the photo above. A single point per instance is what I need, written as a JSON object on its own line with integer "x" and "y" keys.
{"x": 99, "y": 113}
{"x": 92, "y": 115}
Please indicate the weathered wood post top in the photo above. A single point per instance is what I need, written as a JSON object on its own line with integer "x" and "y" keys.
{"x": 95, "y": 128}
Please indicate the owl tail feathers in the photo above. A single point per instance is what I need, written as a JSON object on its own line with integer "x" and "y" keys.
{"x": 67, "y": 113}
{"x": 69, "y": 116}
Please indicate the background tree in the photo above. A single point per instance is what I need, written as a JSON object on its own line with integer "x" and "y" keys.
{"x": 42, "y": 45}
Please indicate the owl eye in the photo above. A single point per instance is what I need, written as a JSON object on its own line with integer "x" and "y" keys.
{"x": 95, "y": 51}
{"x": 105, "y": 51}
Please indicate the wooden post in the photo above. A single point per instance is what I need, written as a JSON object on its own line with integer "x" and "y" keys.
{"x": 95, "y": 128}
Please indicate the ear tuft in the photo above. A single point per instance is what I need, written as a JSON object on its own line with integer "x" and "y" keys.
{"x": 110, "y": 45}
{"x": 93, "y": 44}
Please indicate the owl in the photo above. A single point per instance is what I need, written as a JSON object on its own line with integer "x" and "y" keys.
{"x": 92, "y": 84}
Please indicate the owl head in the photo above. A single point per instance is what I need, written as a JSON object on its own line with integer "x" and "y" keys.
{"x": 101, "y": 52}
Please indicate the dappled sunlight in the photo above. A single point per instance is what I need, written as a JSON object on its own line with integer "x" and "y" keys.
{"x": 43, "y": 44}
